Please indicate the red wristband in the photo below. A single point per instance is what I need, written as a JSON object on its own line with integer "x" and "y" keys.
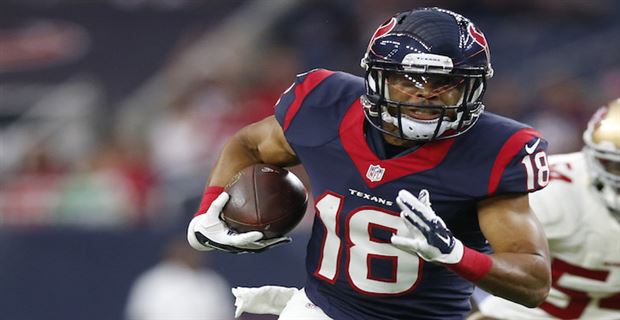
{"x": 473, "y": 266}
{"x": 208, "y": 196}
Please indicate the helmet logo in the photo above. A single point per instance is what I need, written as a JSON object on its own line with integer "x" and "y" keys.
{"x": 477, "y": 35}
{"x": 382, "y": 30}
{"x": 375, "y": 173}
{"x": 599, "y": 116}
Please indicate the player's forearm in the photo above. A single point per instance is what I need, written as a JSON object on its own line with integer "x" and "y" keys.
{"x": 236, "y": 155}
{"x": 261, "y": 142}
{"x": 520, "y": 277}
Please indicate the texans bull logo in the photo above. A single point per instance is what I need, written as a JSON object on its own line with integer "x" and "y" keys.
{"x": 478, "y": 37}
{"x": 381, "y": 31}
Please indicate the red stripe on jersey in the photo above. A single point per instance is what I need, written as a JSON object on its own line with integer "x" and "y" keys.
{"x": 354, "y": 143}
{"x": 511, "y": 148}
{"x": 301, "y": 91}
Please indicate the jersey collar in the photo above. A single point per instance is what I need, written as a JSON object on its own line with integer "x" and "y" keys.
{"x": 376, "y": 171}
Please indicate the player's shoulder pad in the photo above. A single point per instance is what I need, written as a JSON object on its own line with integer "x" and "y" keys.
{"x": 310, "y": 110}
{"x": 519, "y": 155}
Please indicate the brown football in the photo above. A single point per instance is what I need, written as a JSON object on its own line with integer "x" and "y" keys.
{"x": 265, "y": 198}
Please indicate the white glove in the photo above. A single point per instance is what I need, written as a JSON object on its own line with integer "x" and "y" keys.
{"x": 207, "y": 232}
{"x": 428, "y": 236}
{"x": 262, "y": 300}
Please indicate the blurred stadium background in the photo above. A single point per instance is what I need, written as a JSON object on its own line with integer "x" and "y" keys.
{"x": 112, "y": 113}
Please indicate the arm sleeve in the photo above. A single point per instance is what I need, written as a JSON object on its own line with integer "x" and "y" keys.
{"x": 311, "y": 109}
{"x": 296, "y": 95}
{"x": 521, "y": 165}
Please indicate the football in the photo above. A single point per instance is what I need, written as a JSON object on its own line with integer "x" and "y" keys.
{"x": 265, "y": 198}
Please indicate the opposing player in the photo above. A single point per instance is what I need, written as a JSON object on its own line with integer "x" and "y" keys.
{"x": 413, "y": 125}
{"x": 580, "y": 212}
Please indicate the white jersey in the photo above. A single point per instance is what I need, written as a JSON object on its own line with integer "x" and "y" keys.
{"x": 584, "y": 240}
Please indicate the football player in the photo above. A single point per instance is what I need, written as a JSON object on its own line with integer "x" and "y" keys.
{"x": 580, "y": 213}
{"x": 412, "y": 132}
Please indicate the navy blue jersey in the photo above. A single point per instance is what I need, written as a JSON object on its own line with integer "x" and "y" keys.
{"x": 353, "y": 270}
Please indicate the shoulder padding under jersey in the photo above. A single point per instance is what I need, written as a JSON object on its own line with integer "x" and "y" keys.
{"x": 311, "y": 109}
{"x": 501, "y": 155}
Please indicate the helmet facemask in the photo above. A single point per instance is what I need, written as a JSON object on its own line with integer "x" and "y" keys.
{"x": 602, "y": 152}
{"x": 426, "y": 44}
{"x": 421, "y": 106}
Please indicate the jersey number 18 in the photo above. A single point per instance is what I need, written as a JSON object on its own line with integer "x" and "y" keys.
{"x": 363, "y": 248}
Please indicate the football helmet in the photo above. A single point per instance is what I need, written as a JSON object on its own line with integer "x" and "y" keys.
{"x": 430, "y": 49}
{"x": 602, "y": 151}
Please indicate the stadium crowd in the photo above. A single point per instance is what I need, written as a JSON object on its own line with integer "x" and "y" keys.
{"x": 552, "y": 74}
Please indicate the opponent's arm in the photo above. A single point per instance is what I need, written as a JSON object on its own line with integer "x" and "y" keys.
{"x": 261, "y": 142}
{"x": 521, "y": 269}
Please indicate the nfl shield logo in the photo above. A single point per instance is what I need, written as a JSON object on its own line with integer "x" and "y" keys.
{"x": 375, "y": 173}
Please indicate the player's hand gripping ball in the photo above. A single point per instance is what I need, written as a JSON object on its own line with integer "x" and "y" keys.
{"x": 265, "y": 198}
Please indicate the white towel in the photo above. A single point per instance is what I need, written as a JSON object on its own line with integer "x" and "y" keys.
{"x": 262, "y": 300}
